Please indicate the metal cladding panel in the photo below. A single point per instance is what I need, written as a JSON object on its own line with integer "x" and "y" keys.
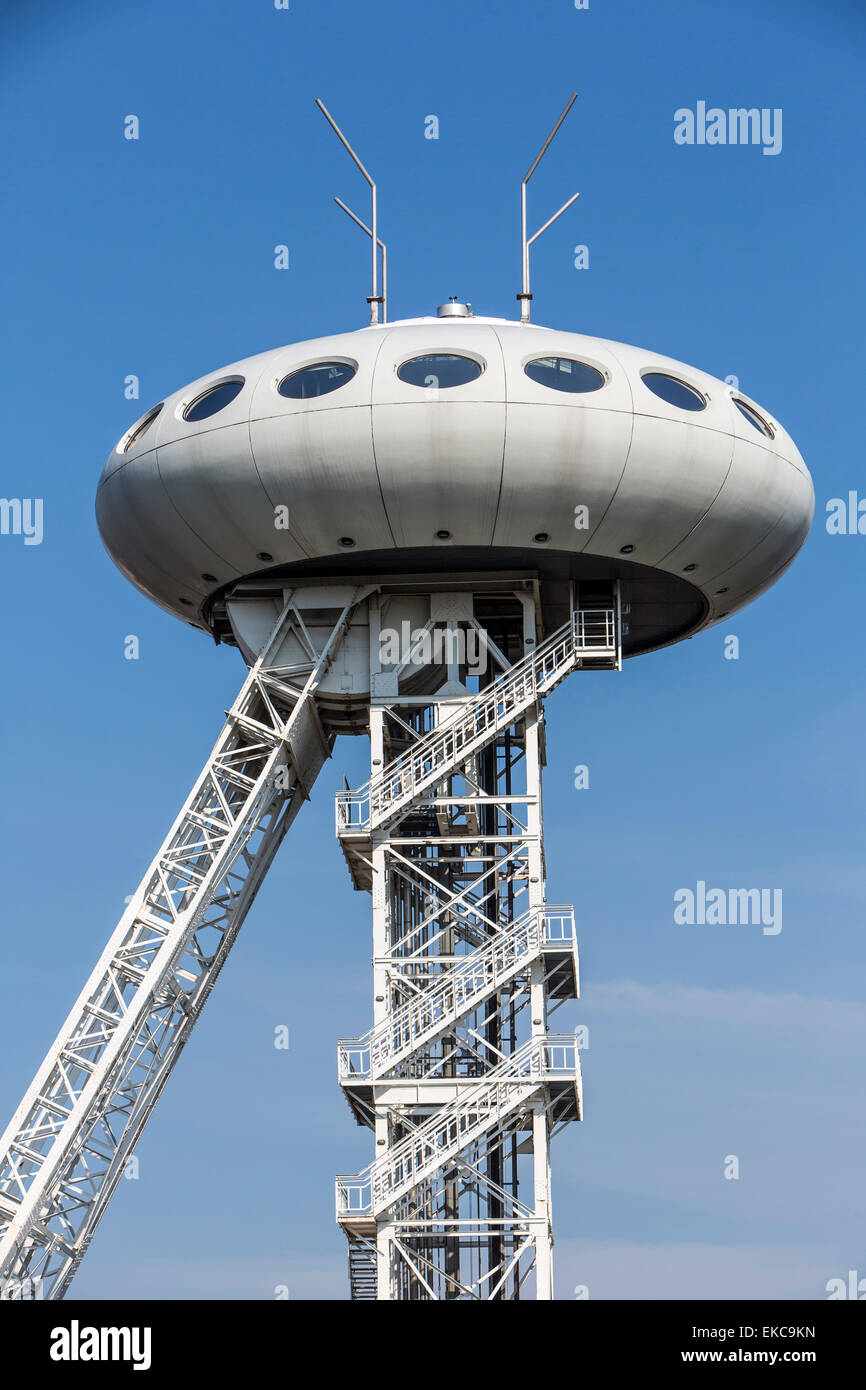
{"x": 112, "y": 517}
{"x": 636, "y": 361}
{"x": 556, "y": 459}
{"x": 674, "y": 471}
{"x": 307, "y": 750}
{"x": 213, "y": 484}
{"x": 445, "y": 338}
{"x": 781, "y": 443}
{"x": 170, "y": 427}
{"x": 752, "y": 577}
{"x": 359, "y": 349}
{"x": 315, "y": 456}
{"x": 452, "y": 451}
{"x": 320, "y": 464}
{"x": 439, "y": 450}
{"x": 253, "y": 623}
{"x": 562, "y": 449}
{"x": 754, "y": 497}
{"x": 120, "y": 458}
{"x": 132, "y": 509}
{"x": 525, "y": 343}
{"x": 773, "y": 551}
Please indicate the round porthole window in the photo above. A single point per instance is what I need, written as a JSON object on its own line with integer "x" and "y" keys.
{"x": 674, "y": 391}
{"x": 753, "y": 417}
{"x": 564, "y": 374}
{"x": 214, "y": 399}
{"x": 439, "y": 370}
{"x": 320, "y": 379}
{"x": 138, "y": 430}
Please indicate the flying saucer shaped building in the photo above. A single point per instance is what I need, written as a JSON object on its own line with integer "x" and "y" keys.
{"x": 461, "y": 443}
{"x": 412, "y": 532}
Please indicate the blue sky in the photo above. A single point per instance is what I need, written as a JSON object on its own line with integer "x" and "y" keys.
{"x": 155, "y": 257}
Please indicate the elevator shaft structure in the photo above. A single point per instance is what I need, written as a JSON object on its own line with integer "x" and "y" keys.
{"x": 460, "y": 1078}
{"x": 65, "y": 1148}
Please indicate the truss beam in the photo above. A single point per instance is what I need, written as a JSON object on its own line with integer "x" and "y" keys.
{"x": 67, "y": 1144}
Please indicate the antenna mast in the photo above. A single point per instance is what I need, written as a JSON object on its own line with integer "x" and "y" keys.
{"x": 525, "y": 296}
{"x": 374, "y": 299}
{"x": 380, "y": 242}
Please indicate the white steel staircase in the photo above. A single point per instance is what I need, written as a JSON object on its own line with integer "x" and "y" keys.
{"x": 362, "y": 1269}
{"x": 590, "y": 637}
{"x": 453, "y": 1128}
{"x": 459, "y": 1078}
{"x": 541, "y": 931}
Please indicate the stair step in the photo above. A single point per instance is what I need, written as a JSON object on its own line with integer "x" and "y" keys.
{"x": 446, "y": 747}
{"x": 463, "y": 989}
{"x": 540, "y": 1062}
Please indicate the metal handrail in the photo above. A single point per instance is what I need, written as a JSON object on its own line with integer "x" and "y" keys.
{"x": 453, "y": 1127}
{"x": 460, "y": 990}
{"x": 589, "y": 631}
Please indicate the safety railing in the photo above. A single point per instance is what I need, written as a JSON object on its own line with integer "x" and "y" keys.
{"x": 461, "y": 989}
{"x": 453, "y": 1127}
{"x": 589, "y": 632}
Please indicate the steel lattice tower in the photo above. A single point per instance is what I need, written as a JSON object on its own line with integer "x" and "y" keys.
{"x": 460, "y": 1078}
{"x": 559, "y": 500}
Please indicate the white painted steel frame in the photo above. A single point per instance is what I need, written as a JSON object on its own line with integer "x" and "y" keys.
{"x": 442, "y": 1077}
{"x": 66, "y": 1146}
